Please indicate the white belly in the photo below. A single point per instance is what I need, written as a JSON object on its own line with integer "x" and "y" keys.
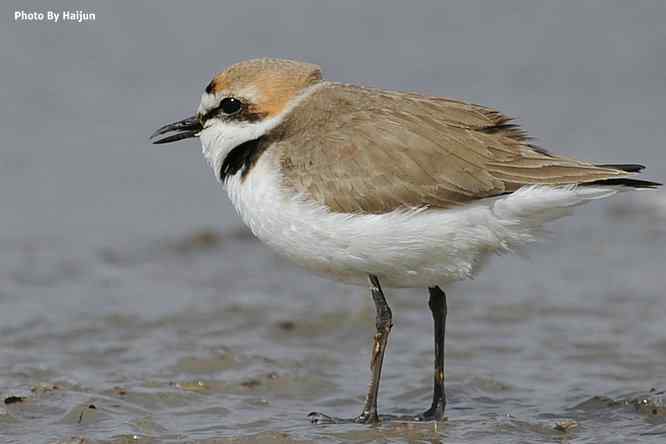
{"x": 415, "y": 248}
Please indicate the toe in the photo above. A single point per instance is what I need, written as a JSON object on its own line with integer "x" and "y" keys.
{"x": 320, "y": 418}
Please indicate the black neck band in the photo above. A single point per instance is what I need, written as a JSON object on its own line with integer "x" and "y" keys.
{"x": 242, "y": 158}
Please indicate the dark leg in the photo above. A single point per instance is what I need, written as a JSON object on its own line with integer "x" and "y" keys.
{"x": 383, "y": 326}
{"x": 437, "y": 303}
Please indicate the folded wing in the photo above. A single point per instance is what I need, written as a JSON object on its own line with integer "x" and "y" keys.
{"x": 373, "y": 151}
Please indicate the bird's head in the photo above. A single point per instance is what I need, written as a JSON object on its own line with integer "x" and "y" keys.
{"x": 240, "y": 104}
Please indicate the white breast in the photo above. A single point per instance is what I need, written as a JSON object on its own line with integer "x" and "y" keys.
{"x": 409, "y": 248}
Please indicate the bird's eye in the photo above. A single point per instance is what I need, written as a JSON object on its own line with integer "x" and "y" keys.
{"x": 230, "y": 105}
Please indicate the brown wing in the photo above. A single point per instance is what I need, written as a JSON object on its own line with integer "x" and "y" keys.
{"x": 372, "y": 151}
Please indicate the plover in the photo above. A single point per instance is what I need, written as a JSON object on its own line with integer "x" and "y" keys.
{"x": 392, "y": 188}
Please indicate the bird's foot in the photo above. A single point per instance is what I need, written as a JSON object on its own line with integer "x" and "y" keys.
{"x": 321, "y": 418}
{"x": 363, "y": 418}
{"x": 433, "y": 414}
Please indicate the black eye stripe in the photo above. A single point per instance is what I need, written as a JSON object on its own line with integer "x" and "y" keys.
{"x": 228, "y": 107}
{"x": 232, "y": 108}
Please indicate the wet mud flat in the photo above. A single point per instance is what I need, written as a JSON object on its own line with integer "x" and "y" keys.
{"x": 90, "y": 412}
{"x": 209, "y": 337}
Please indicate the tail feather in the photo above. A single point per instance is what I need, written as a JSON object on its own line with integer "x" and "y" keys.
{"x": 631, "y": 168}
{"x": 627, "y": 167}
{"x": 625, "y": 182}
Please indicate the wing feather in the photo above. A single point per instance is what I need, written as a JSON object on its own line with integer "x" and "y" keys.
{"x": 359, "y": 150}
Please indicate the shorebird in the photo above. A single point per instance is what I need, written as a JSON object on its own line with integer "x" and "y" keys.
{"x": 392, "y": 188}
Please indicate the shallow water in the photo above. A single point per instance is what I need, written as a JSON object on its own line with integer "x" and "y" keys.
{"x": 212, "y": 336}
{"x": 135, "y": 308}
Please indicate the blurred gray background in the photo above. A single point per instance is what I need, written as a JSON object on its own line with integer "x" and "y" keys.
{"x": 103, "y": 234}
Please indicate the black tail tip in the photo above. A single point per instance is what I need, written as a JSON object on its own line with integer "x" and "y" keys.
{"x": 628, "y": 167}
{"x": 626, "y": 182}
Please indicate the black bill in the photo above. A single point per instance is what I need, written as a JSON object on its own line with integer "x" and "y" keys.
{"x": 185, "y": 129}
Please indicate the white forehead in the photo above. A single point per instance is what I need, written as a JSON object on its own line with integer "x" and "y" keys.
{"x": 208, "y": 102}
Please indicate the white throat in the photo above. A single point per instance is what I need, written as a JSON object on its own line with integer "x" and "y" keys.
{"x": 218, "y": 138}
